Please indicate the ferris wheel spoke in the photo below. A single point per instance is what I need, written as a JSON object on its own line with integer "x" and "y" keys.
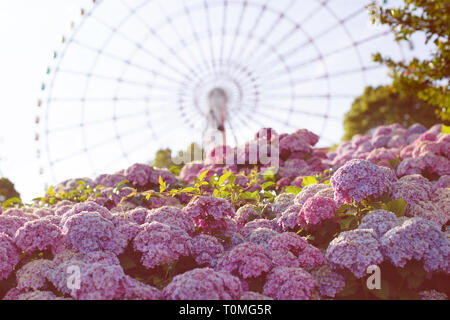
{"x": 324, "y": 76}
{"x": 139, "y": 46}
{"x": 196, "y": 36}
{"x": 236, "y": 31}
{"x": 318, "y": 58}
{"x": 316, "y": 37}
{"x": 299, "y": 111}
{"x": 281, "y": 16}
{"x": 309, "y": 96}
{"x": 249, "y": 35}
{"x": 124, "y": 61}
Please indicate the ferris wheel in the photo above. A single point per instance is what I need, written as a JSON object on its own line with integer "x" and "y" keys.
{"x": 133, "y": 76}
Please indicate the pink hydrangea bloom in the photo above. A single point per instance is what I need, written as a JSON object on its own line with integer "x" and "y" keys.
{"x": 310, "y": 257}
{"x": 354, "y": 250}
{"x": 317, "y": 209}
{"x": 10, "y": 224}
{"x": 258, "y": 223}
{"x": 308, "y": 192}
{"x": 38, "y": 235}
{"x": 203, "y": 284}
{"x": 89, "y": 231}
{"x": 88, "y": 206}
{"x": 430, "y": 210}
{"x": 190, "y": 171}
{"x": 205, "y": 249}
{"x": 33, "y": 275}
{"x": 288, "y": 241}
{"x": 358, "y": 179}
{"x": 285, "y": 283}
{"x": 252, "y": 296}
{"x": 248, "y": 260}
{"x": 290, "y": 218}
{"x": 135, "y": 290}
{"x": 161, "y": 244}
{"x": 262, "y": 236}
{"x": 138, "y": 174}
{"x": 172, "y": 216}
{"x": 9, "y": 256}
{"x": 282, "y": 202}
{"x": 245, "y": 214}
{"x": 109, "y": 180}
{"x": 328, "y": 282}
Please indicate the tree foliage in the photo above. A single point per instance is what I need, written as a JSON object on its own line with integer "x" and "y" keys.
{"x": 381, "y": 106}
{"x": 7, "y": 190}
{"x": 427, "y": 79}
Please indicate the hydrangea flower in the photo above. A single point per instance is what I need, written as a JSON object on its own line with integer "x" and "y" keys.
{"x": 135, "y": 290}
{"x": 36, "y": 295}
{"x": 284, "y": 259}
{"x": 310, "y": 257}
{"x": 317, "y": 209}
{"x": 172, "y": 216}
{"x": 282, "y": 202}
{"x": 208, "y": 212}
{"x": 109, "y": 180}
{"x": 10, "y": 224}
{"x": 89, "y": 231}
{"x": 191, "y": 170}
{"x": 245, "y": 214}
{"x": 380, "y": 221}
{"x": 138, "y": 174}
{"x": 262, "y": 236}
{"x": 9, "y": 256}
{"x": 328, "y": 282}
{"x": 205, "y": 249}
{"x": 309, "y": 191}
{"x": 88, "y": 206}
{"x": 258, "y": 223}
{"x": 161, "y": 244}
{"x": 285, "y": 283}
{"x": 290, "y": 218}
{"x": 432, "y": 295}
{"x": 33, "y": 275}
{"x": 288, "y": 242}
{"x": 203, "y": 284}
{"x": 248, "y": 260}
{"x": 417, "y": 239}
{"x": 354, "y": 250}
{"x": 434, "y": 211}
{"x": 38, "y": 235}
{"x": 137, "y": 215}
{"x": 358, "y": 179}
{"x": 252, "y": 296}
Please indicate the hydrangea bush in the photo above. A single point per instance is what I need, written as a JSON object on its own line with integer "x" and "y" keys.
{"x": 309, "y": 228}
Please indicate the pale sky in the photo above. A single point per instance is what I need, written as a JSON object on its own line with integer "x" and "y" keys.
{"x": 31, "y": 30}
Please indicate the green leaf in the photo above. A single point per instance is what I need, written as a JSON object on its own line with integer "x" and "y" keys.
{"x": 309, "y": 180}
{"x": 224, "y": 177}
{"x": 121, "y": 183}
{"x": 249, "y": 196}
{"x": 394, "y": 162}
{"x": 175, "y": 170}
{"x": 445, "y": 129}
{"x": 269, "y": 174}
{"x": 293, "y": 189}
{"x": 397, "y": 206}
{"x": 11, "y": 201}
{"x": 267, "y": 184}
{"x": 162, "y": 185}
{"x": 189, "y": 189}
{"x": 203, "y": 175}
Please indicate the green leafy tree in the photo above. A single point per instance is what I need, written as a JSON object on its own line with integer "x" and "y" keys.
{"x": 428, "y": 79}
{"x": 382, "y": 106}
{"x": 7, "y": 190}
{"x": 163, "y": 158}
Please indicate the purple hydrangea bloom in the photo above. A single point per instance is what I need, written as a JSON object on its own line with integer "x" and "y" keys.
{"x": 328, "y": 282}
{"x": 36, "y": 295}
{"x": 137, "y": 215}
{"x": 417, "y": 239}
{"x": 380, "y": 221}
{"x": 285, "y": 283}
{"x": 290, "y": 218}
{"x": 172, "y": 216}
{"x": 9, "y": 256}
{"x": 89, "y": 231}
{"x": 88, "y": 206}
{"x": 258, "y": 223}
{"x": 203, "y": 284}
{"x": 138, "y": 174}
{"x": 245, "y": 214}
{"x": 38, "y": 235}
{"x": 354, "y": 250}
{"x": 135, "y": 290}
{"x": 205, "y": 249}
{"x": 109, "y": 180}
{"x": 161, "y": 244}
{"x": 310, "y": 257}
{"x": 317, "y": 209}
{"x": 309, "y": 191}
{"x": 248, "y": 260}
{"x": 288, "y": 241}
{"x": 282, "y": 202}
{"x": 432, "y": 295}
{"x": 33, "y": 275}
{"x": 252, "y": 296}
{"x": 284, "y": 259}
{"x": 209, "y": 212}
{"x": 262, "y": 236}
{"x": 358, "y": 179}
{"x": 10, "y": 224}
